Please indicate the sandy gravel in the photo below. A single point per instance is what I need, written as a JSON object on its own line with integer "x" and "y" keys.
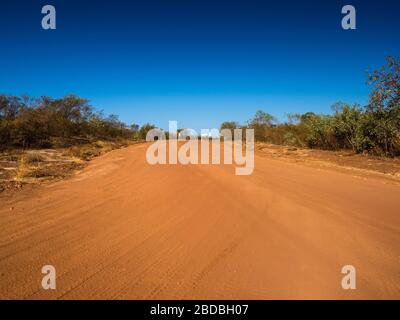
{"x": 122, "y": 229}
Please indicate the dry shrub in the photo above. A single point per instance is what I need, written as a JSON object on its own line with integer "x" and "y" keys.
{"x": 22, "y": 169}
{"x": 85, "y": 152}
{"x": 33, "y": 158}
{"x": 25, "y": 162}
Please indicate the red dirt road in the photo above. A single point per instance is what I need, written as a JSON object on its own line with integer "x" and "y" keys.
{"x": 122, "y": 229}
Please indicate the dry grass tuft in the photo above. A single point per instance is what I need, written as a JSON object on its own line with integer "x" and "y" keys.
{"x": 33, "y": 158}
{"x": 22, "y": 169}
{"x": 37, "y": 166}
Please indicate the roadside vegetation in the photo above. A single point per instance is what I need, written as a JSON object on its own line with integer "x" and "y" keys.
{"x": 372, "y": 129}
{"x": 45, "y": 138}
{"x": 20, "y": 167}
{"x": 45, "y": 122}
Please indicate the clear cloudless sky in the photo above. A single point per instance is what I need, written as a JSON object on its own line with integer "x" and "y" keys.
{"x": 200, "y": 62}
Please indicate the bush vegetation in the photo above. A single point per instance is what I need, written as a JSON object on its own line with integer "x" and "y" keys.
{"x": 374, "y": 128}
{"x": 27, "y": 122}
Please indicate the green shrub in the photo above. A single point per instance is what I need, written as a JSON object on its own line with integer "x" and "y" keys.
{"x": 374, "y": 128}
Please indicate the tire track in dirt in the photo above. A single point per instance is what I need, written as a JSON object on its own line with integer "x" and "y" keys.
{"x": 123, "y": 229}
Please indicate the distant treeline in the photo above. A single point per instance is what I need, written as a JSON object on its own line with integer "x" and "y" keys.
{"x": 374, "y": 128}
{"x": 47, "y": 122}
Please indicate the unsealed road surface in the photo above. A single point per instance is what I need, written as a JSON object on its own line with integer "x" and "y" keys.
{"x": 123, "y": 229}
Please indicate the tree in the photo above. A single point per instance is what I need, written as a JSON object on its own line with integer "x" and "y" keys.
{"x": 145, "y": 129}
{"x": 230, "y": 125}
{"x": 384, "y": 108}
{"x": 261, "y": 122}
{"x": 39, "y": 122}
{"x": 262, "y": 118}
{"x": 135, "y": 128}
{"x": 348, "y": 122}
{"x": 385, "y": 95}
{"x": 320, "y": 132}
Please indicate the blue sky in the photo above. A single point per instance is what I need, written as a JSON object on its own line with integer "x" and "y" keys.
{"x": 199, "y": 62}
